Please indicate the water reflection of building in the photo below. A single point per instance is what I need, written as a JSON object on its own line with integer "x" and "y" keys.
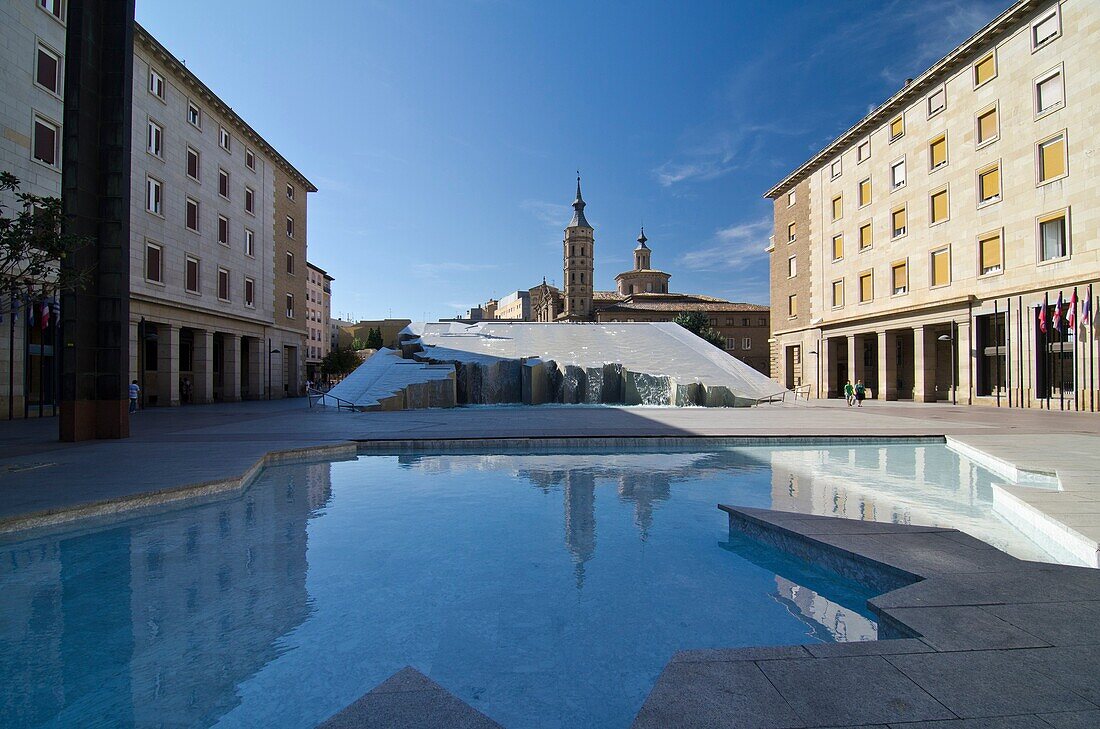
{"x": 822, "y": 615}
{"x": 161, "y": 619}
{"x": 644, "y": 490}
{"x": 579, "y": 495}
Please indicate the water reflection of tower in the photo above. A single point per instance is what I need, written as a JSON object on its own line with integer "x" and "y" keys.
{"x": 580, "y": 518}
{"x": 644, "y": 490}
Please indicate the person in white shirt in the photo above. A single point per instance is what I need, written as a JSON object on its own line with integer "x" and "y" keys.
{"x": 134, "y": 392}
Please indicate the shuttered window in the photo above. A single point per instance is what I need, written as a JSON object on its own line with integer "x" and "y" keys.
{"x": 899, "y": 273}
{"x": 865, "y": 192}
{"x": 897, "y": 128}
{"x": 939, "y": 206}
{"x": 838, "y": 247}
{"x": 898, "y": 220}
{"x": 792, "y": 232}
{"x": 1049, "y": 93}
{"x": 989, "y": 253}
{"x": 897, "y": 174}
{"x": 792, "y": 305}
{"x": 838, "y": 207}
{"x": 987, "y": 126}
{"x": 863, "y": 151}
{"x": 937, "y": 152}
{"x": 1052, "y": 159}
{"x": 941, "y": 268}
{"x": 937, "y": 102}
{"x": 1052, "y": 237}
{"x": 865, "y": 236}
{"x": 985, "y": 69}
{"x": 866, "y": 287}
{"x": 989, "y": 185}
{"x": 1046, "y": 29}
{"x": 838, "y": 293}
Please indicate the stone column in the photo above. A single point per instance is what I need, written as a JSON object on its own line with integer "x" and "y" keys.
{"x": 829, "y": 388}
{"x": 924, "y": 364}
{"x": 853, "y": 368}
{"x": 887, "y": 366}
{"x": 256, "y": 360}
{"x": 231, "y": 367}
{"x": 202, "y": 367}
{"x": 135, "y": 353}
{"x": 168, "y": 365}
{"x": 964, "y": 378}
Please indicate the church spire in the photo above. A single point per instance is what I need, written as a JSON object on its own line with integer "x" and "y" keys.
{"x": 578, "y": 220}
{"x": 642, "y": 239}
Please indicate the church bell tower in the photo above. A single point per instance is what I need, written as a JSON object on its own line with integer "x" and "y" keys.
{"x": 577, "y": 263}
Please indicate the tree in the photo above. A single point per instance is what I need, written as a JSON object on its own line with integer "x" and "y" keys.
{"x": 340, "y": 362}
{"x": 374, "y": 338}
{"x": 357, "y": 344}
{"x": 32, "y": 245}
{"x": 698, "y": 324}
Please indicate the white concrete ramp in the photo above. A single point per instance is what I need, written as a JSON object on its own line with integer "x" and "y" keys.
{"x": 385, "y": 381}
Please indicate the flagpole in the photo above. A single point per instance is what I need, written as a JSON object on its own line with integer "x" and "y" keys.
{"x": 1092, "y": 348}
{"x": 1048, "y": 364}
{"x": 1076, "y": 362}
{"x": 1061, "y": 357}
{"x": 11, "y": 358}
{"x": 1020, "y": 350}
{"x": 997, "y": 349}
{"x": 42, "y": 361}
{"x": 1008, "y": 349}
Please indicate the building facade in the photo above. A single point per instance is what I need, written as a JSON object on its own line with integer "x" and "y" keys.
{"x": 318, "y": 316}
{"x": 516, "y": 306}
{"x": 916, "y": 251}
{"x": 32, "y": 77}
{"x": 577, "y": 263}
{"x": 217, "y": 281}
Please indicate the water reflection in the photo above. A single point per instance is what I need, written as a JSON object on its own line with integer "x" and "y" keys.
{"x": 157, "y": 621}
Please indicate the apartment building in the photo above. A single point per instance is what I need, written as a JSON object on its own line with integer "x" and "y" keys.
{"x": 32, "y": 76}
{"x": 218, "y": 215}
{"x": 318, "y": 316}
{"x": 916, "y": 250}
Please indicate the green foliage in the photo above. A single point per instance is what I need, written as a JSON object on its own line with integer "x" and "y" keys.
{"x": 32, "y": 245}
{"x": 374, "y": 339}
{"x": 358, "y": 344}
{"x": 698, "y": 324}
{"x": 340, "y": 362}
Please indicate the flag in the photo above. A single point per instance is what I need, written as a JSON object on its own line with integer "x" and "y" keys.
{"x": 31, "y": 308}
{"x": 1072, "y": 319}
{"x": 44, "y": 315}
{"x": 1057, "y": 320}
{"x": 1043, "y": 315}
{"x": 1086, "y": 309}
{"x": 14, "y": 308}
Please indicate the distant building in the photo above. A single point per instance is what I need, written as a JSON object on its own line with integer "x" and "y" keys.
{"x": 359, "y": 331}
{"x": 515, "y": 306}
{"x": 318, "y": 313}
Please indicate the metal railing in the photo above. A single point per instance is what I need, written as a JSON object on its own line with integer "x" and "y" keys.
{"x": 313, "y": 395}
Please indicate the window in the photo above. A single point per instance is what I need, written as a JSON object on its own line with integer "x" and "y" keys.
{"x": 838, "y": 207}
{"x": 249, "y": 243}
{"x": 938, "y": 207}
{"x": 792, "y": 267}
{"x": 897, "y": 128}
{"x": 223, "y": 183}
{"x": 838, "y": 294}
{"x": 937, "y": 101}
{"x": 899, "y": 277}
{"x": 866, "y": 287}
{"x": 790, "y": 197}
{"x": 985, "y": 70}
{"x": 223, "y": 284}
{"x": 1053, "y": 242}
{"x": 863, "y": 151}
{"x": 731, "y": 343}
{"x": 937, "y": 153}
{"x": 762, "y": 322}
{"x": 249, "y": 201}
{"x": 156, "y": 84}
{"x": 989, "y": 254}
{"x": 290, "y": 192}
{"x": 47, "y": 73}
{"x": 835, "y": 169}
{"x": 898, "y": 220}
{"x": 792, "y": 306}
{"x": 746, "y": 343}
{"x": 865, "y": 192}
{"x": 223, "y": 230}
{"x": 155, "y": 139}
{"x": 838, "y": 247}
{"x": 250, "y": 159}
{"x": 897, "y": 174}
{"x": 192, "y": 214}
{"x": 47, "y": 138}
{"x": 988, "y": 127}
{"x": 224, "y": 139}
{"x": 290, "y": 227}
{"x": 941, "y": 267}
{"x": 55, "y": 8}
{"x": 1052, "y": 159}
{"x": 1049, "y": 93}
{"x": 865, "y": 236}
{"x": 989, "y": 185}
{"x": 290, "y": 263}
{"x": 249, "y": 292}
{"x": 192, "y": 164}
{"x": 792, "y": 232}
{"x": 194, "y": 115}
{"x": 290, "y": 306}
{"x": 154, "y": 196}
{"x": 1046, "y": 28}
{"x": 154, "y": 264}
{"x": 191, "y": 275}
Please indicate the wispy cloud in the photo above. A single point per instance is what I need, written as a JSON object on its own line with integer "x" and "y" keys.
{"x": 724, "y": 151}
{"x": 548, "y": 213}
{"x": 731, "y": 247}
{"x": 449, "y": 268}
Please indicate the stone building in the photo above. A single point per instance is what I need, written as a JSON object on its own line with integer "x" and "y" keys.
{"x": 515, "y": 306}
{"x": 916, "y": 250}
{"x": 318, "y": 316}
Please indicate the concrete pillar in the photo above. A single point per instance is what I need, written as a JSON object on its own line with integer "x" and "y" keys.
{"x": 251, "y": 351}
{"x": 829, "y": 386}
{"x": 924, "y": 364}
{"x": 202, "y": 365}
{"x": 887, "y": 366}
{"x": 168, "y": 365}
{"x": 854, "y": 356}
{"x": 135, "y": 352}
{"x": 965, "y": 378}
{"x": 231, "y": 367}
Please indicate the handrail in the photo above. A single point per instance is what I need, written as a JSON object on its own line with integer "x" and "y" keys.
{"x": 315, "y": 395}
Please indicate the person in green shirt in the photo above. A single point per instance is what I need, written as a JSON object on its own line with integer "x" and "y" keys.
{"x": 849, "y": 393}
{"x": 861, "y": 392}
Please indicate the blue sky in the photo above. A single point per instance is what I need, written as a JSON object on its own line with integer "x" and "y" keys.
{"x": 444, "y": 136}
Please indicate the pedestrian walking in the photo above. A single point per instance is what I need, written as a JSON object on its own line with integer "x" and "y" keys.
{"x": 134, "y": 392}
{"x": 861, "y": 392}
{"x": 849, "y": 393}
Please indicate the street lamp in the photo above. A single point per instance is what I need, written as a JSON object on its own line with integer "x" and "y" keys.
{"x": 817, "y": 359}
{"x": 270, "y": 351}
{"x": 954, "y": 354}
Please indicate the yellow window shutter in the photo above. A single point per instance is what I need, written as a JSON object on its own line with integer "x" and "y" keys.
{"x": 985, "y": 70}
{"x": 939, "y": 151}
{"x": 838, "y": 293}
{"x": 897, "y": 128}
{"x": 939, "y": 268}
{"x": 901, "y": 277}
{"x": 987, "y": 125}
{"x": 865, "y": 236}
{"x": 991, "y": 184}
{"x": 838, "y": 207}
{"x": 939, "y": 206}
{"x": 1052, "y": 159}
{"x": 838, "y": 246}
{"x": 866, "y": 289}
{"x": 991, "y": 251}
